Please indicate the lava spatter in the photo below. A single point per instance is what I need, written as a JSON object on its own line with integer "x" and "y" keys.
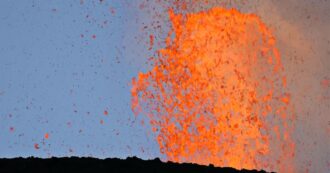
{"x": 217, "y": 93}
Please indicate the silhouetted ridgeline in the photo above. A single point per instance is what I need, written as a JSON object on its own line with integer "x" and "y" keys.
{"x": 75, "y": 164}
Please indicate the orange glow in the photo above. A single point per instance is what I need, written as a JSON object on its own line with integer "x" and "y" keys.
{"x": 217, "y": 93}
{"x": 46, "y": 136}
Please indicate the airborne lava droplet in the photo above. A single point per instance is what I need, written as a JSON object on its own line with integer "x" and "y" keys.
{"x": 217, "y": 93}
{"x": 36, "y": 146}
{"x": 112, "y": 10}
{"x": 151, "y": 40}
{"x": 105, "y": 112}
{"x": 46, "y": 136}
{"x": 11, "y": 129}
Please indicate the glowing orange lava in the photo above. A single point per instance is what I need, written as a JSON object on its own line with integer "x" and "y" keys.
{"x": 217, "y": 93}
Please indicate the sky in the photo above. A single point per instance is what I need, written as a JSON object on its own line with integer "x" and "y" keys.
{"x": 66, "y": 69}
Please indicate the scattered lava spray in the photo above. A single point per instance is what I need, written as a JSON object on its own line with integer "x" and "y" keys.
{"x": 217, "y": 93}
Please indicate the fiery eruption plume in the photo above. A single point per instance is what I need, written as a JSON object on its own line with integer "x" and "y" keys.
{"x": 217, "y": 93}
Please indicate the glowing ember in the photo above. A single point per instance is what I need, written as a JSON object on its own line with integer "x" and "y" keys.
{"x": 151, "y": 41}
{"x": 11, "y": 129}
{"x": 46, "y": 136}
{"x": 105, "y": 112}
{"x": 216, "y": 93}
{"x": 36, "y": 146}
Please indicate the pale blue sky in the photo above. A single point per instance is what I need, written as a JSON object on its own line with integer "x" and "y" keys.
{"x": 56, "y": 78}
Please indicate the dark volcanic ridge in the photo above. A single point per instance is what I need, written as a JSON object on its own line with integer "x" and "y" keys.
{"x": 86, "y": 164}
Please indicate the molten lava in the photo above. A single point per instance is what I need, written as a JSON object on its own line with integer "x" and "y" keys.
{"x": 217, "y": 93}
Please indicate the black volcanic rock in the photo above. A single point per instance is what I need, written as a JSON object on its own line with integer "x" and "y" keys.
{"x": 131, "y": 164}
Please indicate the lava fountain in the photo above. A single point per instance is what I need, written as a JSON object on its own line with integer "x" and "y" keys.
{"x": 217, "y": 93}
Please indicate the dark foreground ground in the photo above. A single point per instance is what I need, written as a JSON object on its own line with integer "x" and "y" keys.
{"x": 75, "y": 164}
